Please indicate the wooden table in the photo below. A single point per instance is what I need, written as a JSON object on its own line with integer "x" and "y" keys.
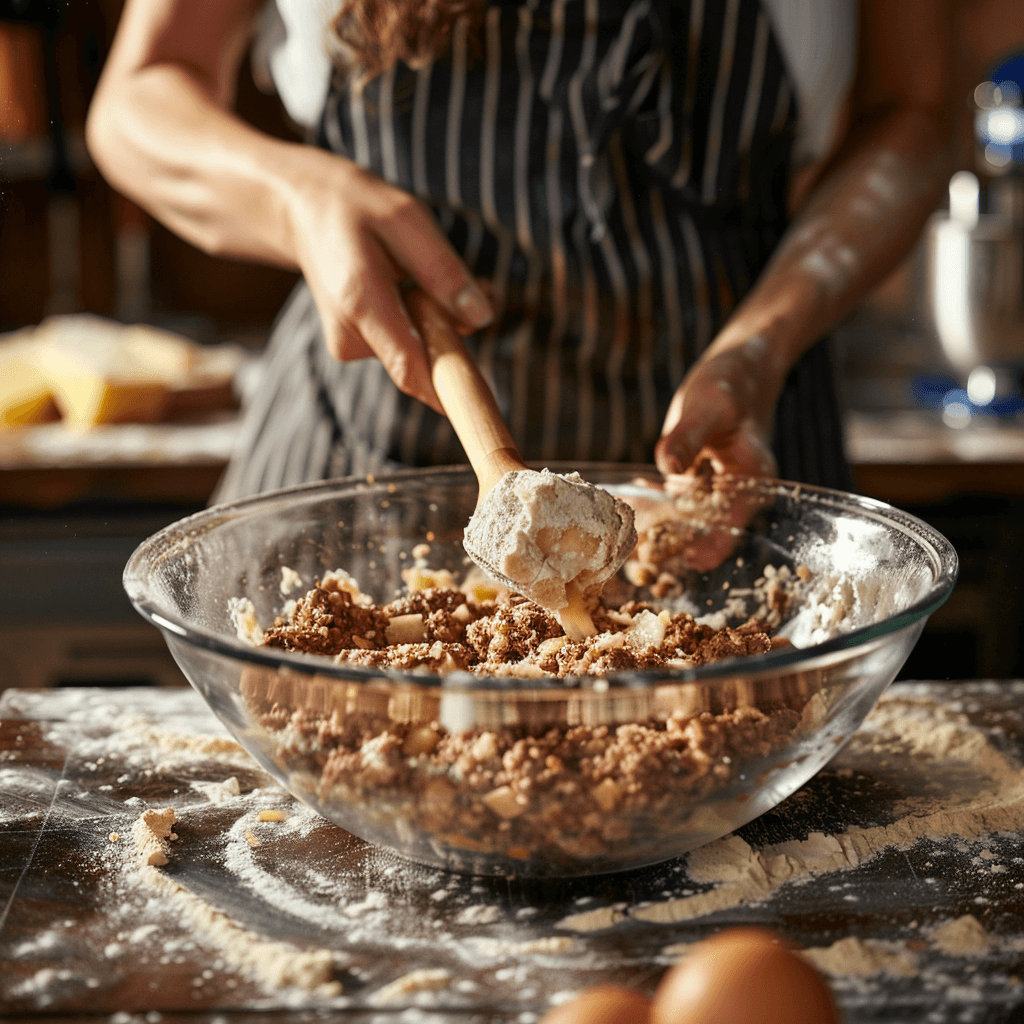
{"x": 83, "y": 934}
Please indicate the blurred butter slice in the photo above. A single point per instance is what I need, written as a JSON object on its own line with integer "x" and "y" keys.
{"x": 25, "y": 394}
{"x": 102, "y": 372}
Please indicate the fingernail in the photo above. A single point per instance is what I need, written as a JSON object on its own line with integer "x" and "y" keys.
{"x": 473, "y": 306}
{"x": 666, "y": 458}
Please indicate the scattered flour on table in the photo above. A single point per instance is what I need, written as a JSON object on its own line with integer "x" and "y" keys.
{"x": 932, "y": 739}
{"x": 272, "y": 964}
{"x": 478, "y": 914}
{"x": 41, "y": 982}
{"x": 551, "y": 945}
{"x": 373, "y": 901}
{"x": 314, "y": 896}
{"x": 423, "y": 980}
{"x": 240, "y": 860}
{"x": 864, "y": 958}
{"x": 219, "y": 792}
{"x": 964, "y": 936}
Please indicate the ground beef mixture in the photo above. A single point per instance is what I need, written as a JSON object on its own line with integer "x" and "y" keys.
{"x": 444, "y": 630}
{"x": 579, "y": 777}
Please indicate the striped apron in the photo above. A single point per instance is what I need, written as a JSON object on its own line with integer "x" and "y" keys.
{"x": 619, "y": 171}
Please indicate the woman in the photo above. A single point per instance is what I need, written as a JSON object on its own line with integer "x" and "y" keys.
{"x": 670, "y": 203}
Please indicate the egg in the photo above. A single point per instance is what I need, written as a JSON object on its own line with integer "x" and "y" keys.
{"x": 743, "y": 975}
{"x": 605, "y": 1004}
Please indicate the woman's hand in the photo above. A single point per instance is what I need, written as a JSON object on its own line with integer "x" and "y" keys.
{"x": 719, "y": 423}
{"x": 356, "y": 239}
{"x": 723, "y": 412}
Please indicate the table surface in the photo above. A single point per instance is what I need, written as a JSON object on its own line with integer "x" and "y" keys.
{"x": 83, "y": 932}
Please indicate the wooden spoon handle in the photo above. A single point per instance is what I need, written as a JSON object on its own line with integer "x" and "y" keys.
{"x": 466, "y": 397}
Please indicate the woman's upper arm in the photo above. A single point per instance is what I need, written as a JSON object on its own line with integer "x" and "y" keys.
{"x": 207, "y": 38}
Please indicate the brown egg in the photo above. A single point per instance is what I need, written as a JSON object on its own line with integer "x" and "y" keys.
{"x": 605, "y": 1004}
{"x": 743, "y": 976}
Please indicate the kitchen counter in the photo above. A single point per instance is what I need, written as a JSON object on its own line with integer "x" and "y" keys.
{"x": 50, "y": 465}
{"x": 906, "y": 880}
{"x": 903, "y": 457}
{"x": 909, "y": 457}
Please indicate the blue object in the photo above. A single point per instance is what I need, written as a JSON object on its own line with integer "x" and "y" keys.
{"x": 1011, "y": 69}
{"x": 938, "y": 390}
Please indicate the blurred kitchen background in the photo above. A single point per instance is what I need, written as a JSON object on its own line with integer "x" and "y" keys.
{"x": 931, "y": 366}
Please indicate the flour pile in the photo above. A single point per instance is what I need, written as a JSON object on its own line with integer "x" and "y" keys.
{"x": 544, "y": 533}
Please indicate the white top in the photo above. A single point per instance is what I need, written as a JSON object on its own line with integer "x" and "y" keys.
{"x": 818, "y": 39}
{"x": 291, "y": 55}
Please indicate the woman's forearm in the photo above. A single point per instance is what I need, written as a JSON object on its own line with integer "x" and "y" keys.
{"x": 854, "y": 228}
{"x": 161, "y": 130}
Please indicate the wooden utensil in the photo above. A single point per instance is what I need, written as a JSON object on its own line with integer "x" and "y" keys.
{"x": 469, "y": 403}
{"x": 465, "y": 395}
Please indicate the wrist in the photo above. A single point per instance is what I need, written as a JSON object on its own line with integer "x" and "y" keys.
{"x": 293, "y": 178}
{"x": 774, "y": 325}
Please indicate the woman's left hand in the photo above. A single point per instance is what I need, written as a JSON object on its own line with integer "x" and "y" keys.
{"x": 723, "y": 410}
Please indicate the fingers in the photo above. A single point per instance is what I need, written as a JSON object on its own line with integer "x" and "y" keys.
{"x": 363, "y": 315}
{"x": 701, "y": 411}
{"x": 744, "y": 449}
{"x": 358, "y": 238}
{"x": 414, "y": 240}
{"x": 719, "y": 412}
{"x": 347, "y": 345}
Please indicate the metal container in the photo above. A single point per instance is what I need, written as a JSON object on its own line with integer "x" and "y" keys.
{"x": 974, "y": 280}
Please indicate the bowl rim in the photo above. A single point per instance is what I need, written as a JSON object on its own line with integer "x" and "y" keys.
{"x": 806, "y": 658}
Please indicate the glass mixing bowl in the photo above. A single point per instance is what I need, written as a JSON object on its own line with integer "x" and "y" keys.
{"x": 542, "y": 777}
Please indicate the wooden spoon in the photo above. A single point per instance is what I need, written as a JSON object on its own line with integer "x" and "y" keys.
{"x": 469, "y": 403}
{"x": 465, "y": 395}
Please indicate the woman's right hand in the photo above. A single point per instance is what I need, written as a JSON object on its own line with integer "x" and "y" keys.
{"x": 356, "y": 239}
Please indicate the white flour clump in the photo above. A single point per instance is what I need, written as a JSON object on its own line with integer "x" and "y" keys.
{"x": 542, "y": 531}
{"x": 964, "y": 936}
{"x": 478, "y": 914}
{"x": 423, "y": 980}
{"x": 219, "y": 792}
{"x": 864, "y": 958}
{"x": 151, "y": 831}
